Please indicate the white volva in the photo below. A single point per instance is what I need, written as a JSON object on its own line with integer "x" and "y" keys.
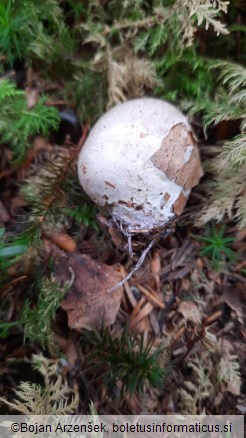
{"x": 121, "y": 163}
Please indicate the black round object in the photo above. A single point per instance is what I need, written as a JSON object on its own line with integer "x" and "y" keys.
{"x": 20, "y": 73}
{"x": 69, "y": 127}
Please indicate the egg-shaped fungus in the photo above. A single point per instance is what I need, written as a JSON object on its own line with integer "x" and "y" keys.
{"x": 140, "y": 162}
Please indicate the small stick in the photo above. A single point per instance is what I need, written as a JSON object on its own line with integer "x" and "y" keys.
{"x": 179, "y": 333}
{"x": 212, "y": 318}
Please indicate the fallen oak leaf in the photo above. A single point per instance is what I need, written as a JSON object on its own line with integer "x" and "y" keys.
{"x": 88, "y": 303}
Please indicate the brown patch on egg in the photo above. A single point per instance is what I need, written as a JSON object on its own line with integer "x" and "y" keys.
{"x": 108, "y": 183}
{"x": 166, "y": 196}
{"x": 179, "y": 204}
{"x": 128, "y": 204}
{"x": 191, "y": 172}
{"x": 84, "y": 169}
{"x": 170, "y": 158}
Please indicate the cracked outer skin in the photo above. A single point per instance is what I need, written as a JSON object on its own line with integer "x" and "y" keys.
{"x": 140, "y": 161}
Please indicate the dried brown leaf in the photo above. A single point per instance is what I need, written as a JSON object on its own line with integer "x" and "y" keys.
{"x": 234, "y": 296}
{"x": 88, "y": 303}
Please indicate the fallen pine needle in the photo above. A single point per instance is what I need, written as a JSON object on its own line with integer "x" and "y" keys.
{"x": 212, "y": 318}
{"x": 137, "y": 308}
{"x": 127, "y": 288}
{"x": 141, "y": 315}
{"x": 151, "y": 297}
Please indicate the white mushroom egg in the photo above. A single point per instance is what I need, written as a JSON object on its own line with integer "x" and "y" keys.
{"x": 140, "y": 162}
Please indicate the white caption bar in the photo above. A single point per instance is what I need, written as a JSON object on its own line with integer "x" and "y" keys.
{"x": 111, "y": 426}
